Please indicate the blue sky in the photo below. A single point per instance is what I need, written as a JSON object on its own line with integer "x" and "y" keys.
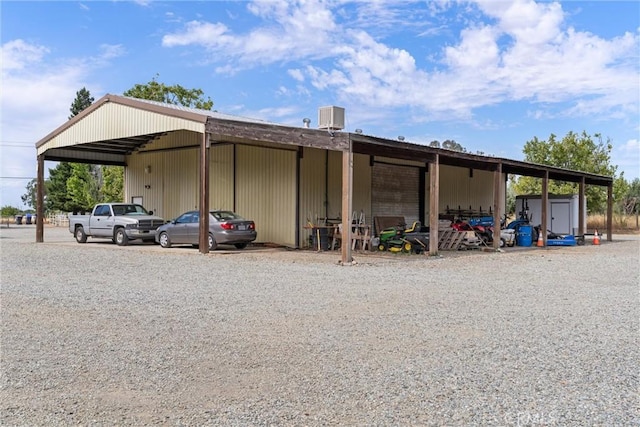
{"x": 489, "y": 74}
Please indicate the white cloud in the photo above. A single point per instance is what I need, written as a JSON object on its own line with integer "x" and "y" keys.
{"x": 35, "y": 98}
{"x": 632, "y": 146}
{"x": 296, "y": 74}
{"x": 16, "y": 54}
{"x": 111, "y": 51}
{"x": 517, "y": 50}
{"x": 298, "y": 31}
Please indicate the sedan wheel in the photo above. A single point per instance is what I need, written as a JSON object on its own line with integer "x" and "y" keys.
{"x": 213, "y": 245}
{"x": 164, "y": 240}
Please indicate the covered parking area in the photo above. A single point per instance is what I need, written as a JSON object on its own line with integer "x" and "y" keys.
{"x": 121, "y": 131}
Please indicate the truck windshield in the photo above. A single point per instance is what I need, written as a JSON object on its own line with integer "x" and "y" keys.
{"x": 119, "y": 210}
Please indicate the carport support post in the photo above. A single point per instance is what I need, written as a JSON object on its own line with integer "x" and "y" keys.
{"x": 434, "y": 199}
{"x": 204, "y": 194}
{"x": 347, "y": 191}
{"x": 497, "y": 198}
{"x": 40, "y": 201}
{"x": 610, "y": 212}
{"x": 545, "y": 206}
{"x": 581, "y": 224}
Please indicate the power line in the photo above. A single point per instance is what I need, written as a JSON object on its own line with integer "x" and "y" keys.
{"x": 17, "y": 177}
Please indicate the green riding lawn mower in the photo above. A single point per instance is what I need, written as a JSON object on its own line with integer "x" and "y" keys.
{"x": 406, "y": 240}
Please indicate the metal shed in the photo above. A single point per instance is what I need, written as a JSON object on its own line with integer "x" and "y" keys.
{"x": 179, "y": 158}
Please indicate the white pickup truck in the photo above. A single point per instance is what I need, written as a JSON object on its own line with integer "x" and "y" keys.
{"x": 120, "y": 222}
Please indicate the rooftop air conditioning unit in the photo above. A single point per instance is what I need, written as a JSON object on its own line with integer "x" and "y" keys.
{"x": 331, "y": 118}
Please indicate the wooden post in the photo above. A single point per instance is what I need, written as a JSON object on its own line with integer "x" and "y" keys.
{"x": 204, "y": 194}
{"x": 610, "y": 212}
{"x": 347, "y": 191}
{"x": 545, "y": 205}
{"x": 581, "y": 210}
{"x": 40, "y": 200}
{"x": 497, "y": 199}
{"x": 434, "y": 204}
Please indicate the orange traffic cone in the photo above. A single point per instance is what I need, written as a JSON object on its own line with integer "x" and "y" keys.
{"x": 540, "y": 242}
{"x": 596, "y": 238}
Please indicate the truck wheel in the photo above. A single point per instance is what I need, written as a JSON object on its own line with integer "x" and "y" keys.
{"x": 165, "y": 242}
{"x": 81, "y": 236}
{"x": 121, "y": 237}
{"x": 213, "y": 245}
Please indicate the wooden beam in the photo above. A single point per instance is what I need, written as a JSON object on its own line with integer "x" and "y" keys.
{"x": 581, "y": 210}
{"x": 497, "y": 204}
{"x": 434, "y": 205}
{"x": 40, "y": 200}
{"x": 545, "y": 205}
{"x": 610, "y": 212}
{"x": 347, "y": 191}
{"x": 204, "y": 195}
{"x": 227, "y": 130}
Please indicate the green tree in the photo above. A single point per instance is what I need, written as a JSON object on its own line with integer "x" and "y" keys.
{"x": 29, "y": 198}
{"x": 83, "y": 100}
{"x": 112, "y": 184}
{"x": 175, "y": 94}
{"x": 580, "y": 152}
{"x": 630, "y": 199}
{"x": 448, "y": 144}
{"x": 82, "y": 187}
{"x": 9, "y": 211}
{"x": 58, "y": 198}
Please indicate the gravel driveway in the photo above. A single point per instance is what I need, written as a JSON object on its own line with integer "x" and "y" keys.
{"x": 101, "y": 335}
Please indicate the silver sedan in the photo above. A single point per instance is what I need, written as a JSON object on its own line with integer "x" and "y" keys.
{"x": 225, "y": 227}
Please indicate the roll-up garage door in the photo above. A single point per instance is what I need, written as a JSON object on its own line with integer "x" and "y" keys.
{"x": 395, "y": 191}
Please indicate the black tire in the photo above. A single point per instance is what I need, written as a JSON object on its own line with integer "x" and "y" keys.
{"x": 164, "y": 240}
{"x": 382, "y": 247}
{"x": 81, "y": 236}
{"x": 240, "y": 245}
{"x": 503, "y": 243}
{"x": 213, "y": 245}
{"x": 121, "y": 237}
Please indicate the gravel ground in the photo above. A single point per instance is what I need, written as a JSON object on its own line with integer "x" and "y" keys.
{"x": 100, "y": 335}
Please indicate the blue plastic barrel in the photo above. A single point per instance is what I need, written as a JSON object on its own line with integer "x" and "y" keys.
{"x": 524, "y": 235}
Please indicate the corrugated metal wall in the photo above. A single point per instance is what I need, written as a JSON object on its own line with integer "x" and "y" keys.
{"x": 459, "y": 189}
{"x": 312, "y": 191}
{"x": 361, "y": 185}
{"x": 266, "y": 192}
{"x": 171, "y": 185}
{"x": 481, "y": 190}
{"x": 149, "y": 186}
{"x": 181, "y": 177}
{"x": 221, "y": 177}
{"x": 98, "y": 126}
{"x": 177, "y": 139}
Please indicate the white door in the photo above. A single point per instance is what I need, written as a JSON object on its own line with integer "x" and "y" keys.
{"x": 560, "y": 217}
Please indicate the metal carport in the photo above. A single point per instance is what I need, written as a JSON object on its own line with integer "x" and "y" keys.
{"x": 115, "y": 127}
